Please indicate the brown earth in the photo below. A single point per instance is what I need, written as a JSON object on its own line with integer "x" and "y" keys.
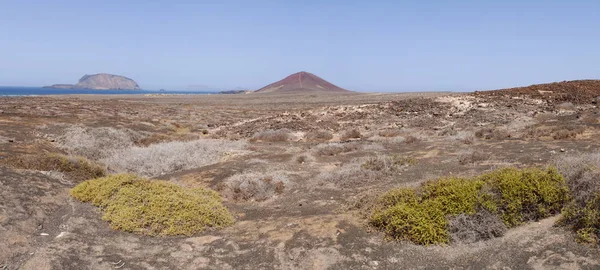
{"x": 317, "y": 222}
{"x": 580, "y": 91}
{"x": 301, "y": 82}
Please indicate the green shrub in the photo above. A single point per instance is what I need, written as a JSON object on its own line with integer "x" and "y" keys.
{"x": 585, "y": 220}
{"x": 582, "y": 213}
{"x": 153, "y": 207}
{"x": 528, "y": 194}
{"x": 422, "y": 215}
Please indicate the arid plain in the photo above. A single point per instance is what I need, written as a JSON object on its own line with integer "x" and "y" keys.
{"x": 294, "y": 170}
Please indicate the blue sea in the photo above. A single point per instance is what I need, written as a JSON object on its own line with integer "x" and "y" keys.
{"x": 38, "y": 91}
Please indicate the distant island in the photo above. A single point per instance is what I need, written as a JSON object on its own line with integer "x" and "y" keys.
{"x": 101, "y": 81}
{"x": 234, "y": 92}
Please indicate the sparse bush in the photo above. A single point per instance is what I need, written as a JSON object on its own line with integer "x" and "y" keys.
{"x": 76, "y": 169}
{"x": 302, "y": 159}
{"x": 96, "y": 143}
{"x": 555, "y": 132}
{"x": 423, "y": 215}
{"x": 366, "y": 170}
{"x": 471, "y": 157}
{"x": 280, "y": 135}
{"x": 253, "y": 186}
{"x": 318, "y": 136}
{"x": 568, "y": 132}
{"x": 153, "y": 207}
{"x": 387, "y": 163}
{"x": 410, "y": 139}
{"x": 333, "y": 149}
{"x": 168, "y": 157}
{"x": 153, "y": 139}
{"x": 480, "y": 226}
{"x": 389, "y": 133}
{"x": 583, "y": 212}
{"x": 492, "y": 133}
{"x": 351, "y": 134}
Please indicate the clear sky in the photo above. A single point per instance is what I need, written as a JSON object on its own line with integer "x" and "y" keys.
{"x": 359, "y": 45}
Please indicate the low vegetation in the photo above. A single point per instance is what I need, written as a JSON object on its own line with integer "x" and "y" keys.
{"x": 470, "y": 157}
{"x": 318, "y": 136}
{"x": 583, "y": 212}
{"x": 279, "y": 135}
{"x": 431, "y": 213}
{"x": 76, "y": 169}
{"x": 350, "y": 134}
{"x": 360, "y": 172}
{"x": 96, "y": 143}
{"x": 253, "y": 186}
{"x": 554, "y": 132}
{"x": 389, "y": 133}
{"x": 333, "y": 149}
{"x": 161, "y": 158}
{"x": 153, "y": 207}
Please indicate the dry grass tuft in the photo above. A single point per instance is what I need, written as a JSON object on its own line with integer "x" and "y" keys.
{"x": 389, "y": 133}
{"x": 279, "y": 135}
{"x": 162, "y": 158}
{"x": 360, "y": 172}
{"x": 318, "y": 136}
{"x": 493, "y": 133}
{"x": 350, "y": 134}
{"x": 253, "y": 186}
{"x": 76, "y": 169}
{"x": 333, "y": 149}
{"x": 410, "y": 139}
{"x": 471, "y": 157}
{"x": 96, "y": 143}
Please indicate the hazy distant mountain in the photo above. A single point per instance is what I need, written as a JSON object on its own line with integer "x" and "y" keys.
{"x": 302, "y": 82}
{"x": 102, "y": 81}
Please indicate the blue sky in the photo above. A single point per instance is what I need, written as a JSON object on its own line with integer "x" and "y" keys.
{"x": 359, "y": 45}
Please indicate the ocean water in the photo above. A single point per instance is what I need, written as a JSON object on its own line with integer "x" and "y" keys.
{"x": 38, "y": 91}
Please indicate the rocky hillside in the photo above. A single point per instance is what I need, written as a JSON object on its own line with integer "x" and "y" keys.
{"x": 102, "y": 81}
{"x": 301, "y": 82}
{"x": 580, "y": 91}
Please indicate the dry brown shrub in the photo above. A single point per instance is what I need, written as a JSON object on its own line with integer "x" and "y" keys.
{"x": 471, "y": 157}
{"x": 333, "y": 149}
{"x": 153, "y": 139}
{"x": 389, "y": 133}
{"x": 318, "y": 136}
{"x": 480, "y": 226}
{"x": 253, "y": 186}
{"x": 410, "y": 139}
{"x": 76, "y": 169}
{"x": 279, "y": 135}
{"x": 492, "y": 133}
{"x": 351, "y": 134}
{"x": 554, "y": 132}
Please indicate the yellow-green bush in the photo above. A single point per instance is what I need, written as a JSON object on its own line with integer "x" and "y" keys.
{"x": 421, "y": 215}
{"x": 582, "y": 214}
{"x": 153, "y": 207}
{"x": 528, "y": 194}
{"x": 585, "y": 219}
